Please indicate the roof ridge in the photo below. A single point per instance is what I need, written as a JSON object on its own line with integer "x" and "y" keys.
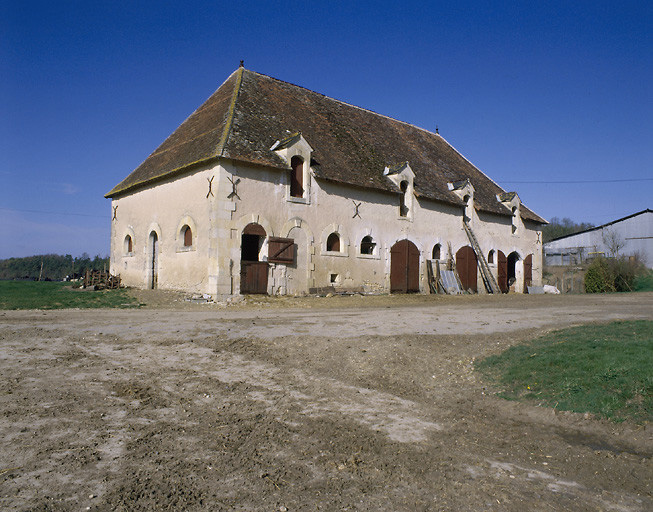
{"x": 219, "y": 150}
{"x": 596, "y": 228}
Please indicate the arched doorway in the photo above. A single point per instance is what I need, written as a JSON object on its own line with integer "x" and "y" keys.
{"x": 154, "y": 257}
{"x": 466, "y": 265}
{"x": 528, "y": 272}
{"x": 253, "y": 272}
{"x": 404, "y": 267}
{"x": 502, "y": 272}
{"x": 511, "y": 273}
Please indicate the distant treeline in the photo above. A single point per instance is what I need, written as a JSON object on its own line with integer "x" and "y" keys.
{"x": 50, "y": 267}
{"x": 561, "y": 227}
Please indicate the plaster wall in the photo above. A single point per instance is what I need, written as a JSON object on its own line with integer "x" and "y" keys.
{"x": 329, "y": 207}
{"x": 164, "y": 209}
{"x": 242, "y": 194}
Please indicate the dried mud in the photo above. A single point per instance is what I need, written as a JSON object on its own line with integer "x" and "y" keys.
{"x": 347, "y": 403}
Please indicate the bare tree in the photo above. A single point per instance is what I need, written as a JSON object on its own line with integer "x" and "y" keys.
{"x": 613, "y": 241}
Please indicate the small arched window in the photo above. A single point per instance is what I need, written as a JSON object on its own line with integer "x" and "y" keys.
{"x": 188, "y": 236}
{"x": 403, "y": 209}
{"x": 490, "y": 256}
{"x": 367, "y": 245}
{"x": 437, "y": 248}
{"x": 297, "y": 177}
{"x": 333, "y": 243}
{"x": 128, "y": 245}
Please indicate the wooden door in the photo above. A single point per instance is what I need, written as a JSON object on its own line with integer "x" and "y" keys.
{"x": 466, "y": 266}
{"x": 502, "y": 267}
{"x": 254, "y": 277}
{"x": 404, "y": 267}
{"x": 528, "y": 272}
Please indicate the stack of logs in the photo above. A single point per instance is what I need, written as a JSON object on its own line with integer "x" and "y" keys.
{"x": 101, "y": 280}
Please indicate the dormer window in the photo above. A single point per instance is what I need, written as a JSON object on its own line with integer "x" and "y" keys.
{"x": 403, "y": 209}
{"x": 297, "y": 153}
{"x": 466, "y": 201}
{"x": 297, "y": 177}
{"x": 403, "y": 177}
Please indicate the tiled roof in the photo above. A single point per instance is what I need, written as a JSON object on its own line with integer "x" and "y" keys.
{"x": 250, "y": 112}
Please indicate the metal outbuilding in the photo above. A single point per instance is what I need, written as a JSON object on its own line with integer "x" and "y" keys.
{"x": 631, "y": 235}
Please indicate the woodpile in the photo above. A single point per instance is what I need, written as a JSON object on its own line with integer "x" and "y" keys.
{"x": 101, "y": 280}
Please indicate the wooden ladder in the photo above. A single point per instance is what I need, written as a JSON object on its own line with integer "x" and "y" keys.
{"x": 489, "y": 281}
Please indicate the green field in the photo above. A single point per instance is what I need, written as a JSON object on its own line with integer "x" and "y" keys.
{"x": 606, "y": 370}
{"x": 57, "y": 295}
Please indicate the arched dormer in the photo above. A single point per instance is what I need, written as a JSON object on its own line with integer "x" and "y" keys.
{"x": 465, "y": 192}
{"x": 403, "y": 177}
{"x": 513, "y": 203}
{"x": 296, "y": 152}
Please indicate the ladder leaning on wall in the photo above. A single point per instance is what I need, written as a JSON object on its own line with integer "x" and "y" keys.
{"x": 489, "y": 281}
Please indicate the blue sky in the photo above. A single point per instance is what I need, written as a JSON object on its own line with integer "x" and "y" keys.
{"x": 551, "y": 99}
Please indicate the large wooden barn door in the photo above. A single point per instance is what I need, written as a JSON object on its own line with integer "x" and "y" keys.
{"x": 467, "y": 268}
{"x": 528, "y": 272}
{"x": 253, "y": 273}
{"x": 404, "y": 267}
{"x": 502, "y": 267}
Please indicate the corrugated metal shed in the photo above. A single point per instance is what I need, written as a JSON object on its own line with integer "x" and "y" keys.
{"x": 634, "y": 231}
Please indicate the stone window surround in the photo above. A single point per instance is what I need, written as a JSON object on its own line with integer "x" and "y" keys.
{"x": 129, "y": 231}
{"x": 376, "y": 252}
{"x": 344, "y": 242}
{"x": 186, "y": 220}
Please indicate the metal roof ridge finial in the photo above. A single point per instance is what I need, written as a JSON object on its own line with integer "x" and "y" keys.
{"x": 242, "y": 64}
{"x": 436, "y": 129}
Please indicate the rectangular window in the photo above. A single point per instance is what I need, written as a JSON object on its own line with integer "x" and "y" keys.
{"x": 281, "y": 250}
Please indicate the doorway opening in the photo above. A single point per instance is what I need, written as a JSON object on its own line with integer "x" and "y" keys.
{"x": 253, "y": 272}
{"x": 154, "y": 256}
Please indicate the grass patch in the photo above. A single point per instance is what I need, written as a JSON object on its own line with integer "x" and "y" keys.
{"x": 644, "y": 282}
{"x": 606, "y": 370}
{"x": 57, "y": 295}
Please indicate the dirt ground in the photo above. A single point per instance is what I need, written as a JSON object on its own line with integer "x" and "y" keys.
{"x": 340, "y": 403}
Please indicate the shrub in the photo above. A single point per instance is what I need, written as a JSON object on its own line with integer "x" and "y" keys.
{"x": 613, "y": 275}
{"x": 599, "y": 278}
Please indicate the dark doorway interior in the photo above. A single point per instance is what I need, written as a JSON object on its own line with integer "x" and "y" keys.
{"x": 511, "y": 273}
{"x": 249, "y": 248}
{"x": 253, "y": 273}
{"x": 502, "y": 264}
{"x": 154, "y": 240}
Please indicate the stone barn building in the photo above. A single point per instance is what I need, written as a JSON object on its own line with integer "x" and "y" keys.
{"x": 272, "y": 188}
